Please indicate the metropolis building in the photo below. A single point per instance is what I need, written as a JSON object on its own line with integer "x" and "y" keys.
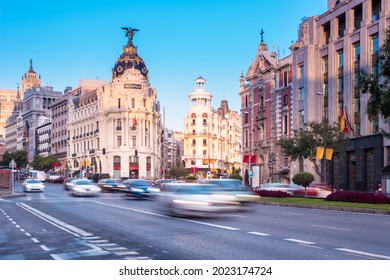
{"x": 327, "y": 58}
{"x": 115, "y": 127}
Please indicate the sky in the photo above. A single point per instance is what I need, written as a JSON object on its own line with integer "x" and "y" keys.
{"x": 178, "y": 41}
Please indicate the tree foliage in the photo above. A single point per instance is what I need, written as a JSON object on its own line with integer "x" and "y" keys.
{"x": 43, "y": 163}
{"x": 20, "y": 157}
{"x": 305, "y": 140}
{"x": 378, "y": 86}
{"x": 304, "y": 179}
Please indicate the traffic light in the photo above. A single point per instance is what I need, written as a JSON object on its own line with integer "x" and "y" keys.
{"x": 104, "y": 151}
{"x": 136, "y": 153}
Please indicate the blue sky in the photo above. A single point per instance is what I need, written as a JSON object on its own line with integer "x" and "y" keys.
{"x": 178, "y": 40}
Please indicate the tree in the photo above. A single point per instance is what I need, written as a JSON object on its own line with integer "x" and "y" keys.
{"x": 20, "y": 157}
{"x": 43, "y": 163}
{"x": 305, "y": 141}
{"x": 304, "y": 179}
{"x": 378, "y": 84}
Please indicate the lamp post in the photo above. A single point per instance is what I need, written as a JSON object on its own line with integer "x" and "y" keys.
{"x": 271, "y": 164}
{"x": 323, "y": 134}
{"x": 250, "y": 143}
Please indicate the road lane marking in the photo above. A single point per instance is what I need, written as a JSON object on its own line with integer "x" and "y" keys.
{"x": 54, "y": 221}
{"x": 98, "y": 241}
{"x": 300, "y": 241}
{"x": 361, "y": 253}
{"x": 259, "y": 233}
{"x": 26, "y": 233}
{"x": 44, "y": 248}
{"x": 35, "y": 240}
{"x": 328, "y": 227}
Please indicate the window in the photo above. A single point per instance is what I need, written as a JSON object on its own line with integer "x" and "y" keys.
{"x": 119, "y": 103}
{"x": 204, "y": 152}
{"x": 134, "y": 141}
{"x": 357, "y": 16}
{"x": 119, "y": 140}
{"x": 118, "y": 124}
{"x": 375, "y": 55}
{"x": 302, "y": 94}
{"x": 376, "y": 9}
{"x": 301, "y": 116}
{"x": 326, "y": 33}
{"x": 301, "y": 72}
{"x": 285, "y": 124}
{"x": 285, "y": 78}
{"x": 341, "y": 25}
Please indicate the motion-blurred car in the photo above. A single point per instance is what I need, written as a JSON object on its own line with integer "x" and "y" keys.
{"x": 315, "y": 190}
{"x": 68, "y": 183}
{"x": 158, "y": 183}
{"x": 59, "y": 180}
{"x": 84, "y": 187}
{"x": 140, "y": 188}
{"x": 235, "y": 188}
{"x": 196, "y": 200}
{"x": 33, "y": 185}
{"x": 283, "y": 187}
{"x": 111, "y": 185}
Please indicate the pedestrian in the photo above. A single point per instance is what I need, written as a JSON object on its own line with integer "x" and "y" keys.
{"x": 379, "y": 190}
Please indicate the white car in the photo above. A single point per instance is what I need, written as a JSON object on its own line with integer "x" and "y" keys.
{"x": 84, "y": 187}
{"x": 198, "y": 200}
{"x": 33, "y": 185}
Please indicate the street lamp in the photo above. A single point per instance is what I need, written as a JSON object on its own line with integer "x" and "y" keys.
{"x": 323, "y": 134}
{"x": 271, "y": 164}
{"x": 250, "y": 143}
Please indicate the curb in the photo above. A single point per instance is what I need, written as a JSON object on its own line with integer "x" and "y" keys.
{"x": 12, "y": 195}
{"x": 325, "y": 207}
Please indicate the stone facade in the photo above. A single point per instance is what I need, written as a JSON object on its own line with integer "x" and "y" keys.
{"x": 327, "y": 58}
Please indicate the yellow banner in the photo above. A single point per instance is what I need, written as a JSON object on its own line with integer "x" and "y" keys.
{"x": 329, "y": 153}
{"x": 320, "y": 152}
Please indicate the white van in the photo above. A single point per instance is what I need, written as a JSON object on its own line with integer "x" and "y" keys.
{"x": 38, "y": 175}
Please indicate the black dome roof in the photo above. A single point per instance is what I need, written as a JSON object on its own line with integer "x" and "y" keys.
{"x": 129, "y": 58}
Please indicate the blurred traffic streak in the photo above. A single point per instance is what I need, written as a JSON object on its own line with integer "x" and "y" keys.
{"x": 236, "y": 189}
{"x": 84, "y": 187}
{"x": 196, "y": 200}
{"x": 140, "y": 188}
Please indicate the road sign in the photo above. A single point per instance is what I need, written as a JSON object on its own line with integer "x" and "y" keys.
{"x": 250, "y": 173}
{"x": 12, "y": 164}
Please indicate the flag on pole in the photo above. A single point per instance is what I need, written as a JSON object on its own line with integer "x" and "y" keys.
{"x": 343, "y": 122}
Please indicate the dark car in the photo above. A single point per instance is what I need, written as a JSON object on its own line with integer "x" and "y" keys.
{"x": 98, "y": 176}
{"x": 140, "y": 188}
{"x": 59, "y": 180}
{"x": 111, "y": 185}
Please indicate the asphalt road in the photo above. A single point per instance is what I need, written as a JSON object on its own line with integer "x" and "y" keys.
{"x": 54, "y": 225}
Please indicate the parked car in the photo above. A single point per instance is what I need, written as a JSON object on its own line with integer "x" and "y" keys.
{"x": 111, "y": 185}
{"x": 33, "y": 185}
{"x": 98, "y": 176}
{"x": 140, "y": 188}
{"x": 196, "y": 200}
{"x": 84, "y": 187}
{"x": 68, "y": 183}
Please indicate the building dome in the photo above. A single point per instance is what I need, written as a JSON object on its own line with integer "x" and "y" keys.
{"x": 129, "y": 58}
